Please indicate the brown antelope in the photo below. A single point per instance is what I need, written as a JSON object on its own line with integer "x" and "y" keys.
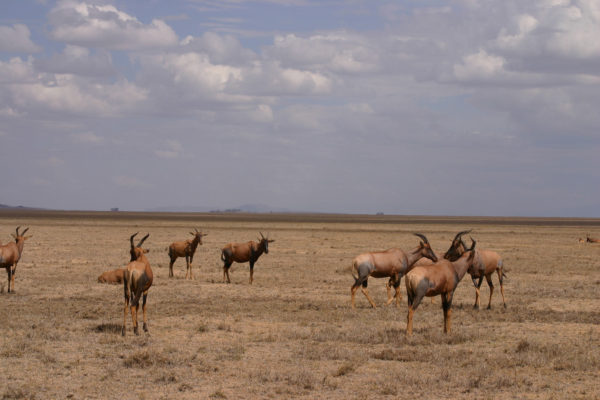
{"x": 112, "y": 276}
{"x": 440, "y": 278}
{"x": 392, "y": 263}
{"x": 486, "y": 263}
{"x": 592, "y": 240}
{"x": 243, "y": 252}
{"x": 453, "y": 257}
{"x": 137, "y": 279}
{"x": 10, "y": 254}
{"x": 186, "y": 249}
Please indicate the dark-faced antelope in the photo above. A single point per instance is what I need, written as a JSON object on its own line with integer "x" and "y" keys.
{"x": 243, "y": 252}
{"x": 392, "y": 263}
{"x": 113, "y": 276}
{"x": 440, "y": 278}
{"x": 137, "y": 279}
{"x": 486, "y": 263}
{"x": 185, "y": 248}
{"x": 592, "y": 240}
{"x": 10, "y": 254}
{"x": 439, "y": 256}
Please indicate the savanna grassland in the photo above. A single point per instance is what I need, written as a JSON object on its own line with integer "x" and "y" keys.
{"x": 292, "y": 334}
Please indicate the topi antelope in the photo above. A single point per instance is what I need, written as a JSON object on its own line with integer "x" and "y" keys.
{"x": 440, "y": 278}
{"x": 186, "y": 249}
{"x": 592, "y": 240}
{"x": 486, "y": 263}
{"x": 10, "y": 254}
{"x": 137, "y": 279}
{"x": 451, "y": 257}
{"x": 392, "y": 263}
{"x": 242, "y": 252}
{"x": 112, "y": 276}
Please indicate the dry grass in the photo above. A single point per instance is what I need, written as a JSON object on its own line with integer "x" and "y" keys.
{"x": 292, "y": 333}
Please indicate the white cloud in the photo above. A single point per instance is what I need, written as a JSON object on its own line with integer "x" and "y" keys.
{"x": 172, "y": 149}
{"x": 479, "y": 66}
{"x": 16, "y": 39}
{"x": 87, "y": 137}
{"x": 17, "y": 71}
{"x": 105, "y": 26}
{"x": 79, "y": 61}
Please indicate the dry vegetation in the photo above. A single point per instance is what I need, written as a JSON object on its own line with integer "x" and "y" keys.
{"x": 292, "y": 334}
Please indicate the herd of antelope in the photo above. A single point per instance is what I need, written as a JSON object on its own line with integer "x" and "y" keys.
{"x": 426, "y": 273}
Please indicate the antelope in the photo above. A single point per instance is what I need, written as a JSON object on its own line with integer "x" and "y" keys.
{"x": 592, "y": 240}
{"x": 10, "y": 254}
{"x": 186, "y": 249}
{"x": 392, "y": 263}
{"x": 137, "y": 279}
{"x": 112, "y": 276}
{"x": 440, "y": 278}
{"x": 453, "y": 257}
{"x": 486, "y": 263}
{"x": 242, "y": 252}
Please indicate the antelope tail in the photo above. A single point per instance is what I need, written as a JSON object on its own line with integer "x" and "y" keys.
{"x": 223, "y": 256}
{"x": 356, "y": 278}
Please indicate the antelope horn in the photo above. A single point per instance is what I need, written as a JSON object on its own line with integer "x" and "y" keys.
{"x": 23, "y": 233}
{"x": 143, "y": 239}
{"x": 472, "y": 244}
{"x": 131, "y": 239}
{"x": 459, "y": 234}
{"x": 18, "y": 229}
{"x": 261, "y": 235}
{"x": 422, "y": 237}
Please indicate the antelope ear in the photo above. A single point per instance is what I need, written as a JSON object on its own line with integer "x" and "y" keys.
{"x": 27, "y": 237}
{"x": 192, "y": 233}
{"x": 146, "y": 250}
{"x": 271, "y": 240}
{"x": 13, "y": 235}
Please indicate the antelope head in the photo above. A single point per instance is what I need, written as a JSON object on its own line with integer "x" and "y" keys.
{"x": 264, "y": 241}
{"x": 137, "y": 251}
{"x": 20, "y": 236}
{"x": 198, "y": 234}
{"x": 457, "y": 248}
{"x": 425, "y": 248}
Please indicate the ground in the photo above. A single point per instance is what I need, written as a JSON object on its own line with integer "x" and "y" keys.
{"x": 292, "y": 333}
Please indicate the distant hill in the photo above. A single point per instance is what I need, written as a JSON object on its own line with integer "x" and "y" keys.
{"x": 6, "y": 207}
{"x": 245, "y": 208}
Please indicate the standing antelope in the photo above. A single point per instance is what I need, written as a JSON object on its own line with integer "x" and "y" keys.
{"x": 392, "y": 263}
{"x": 10, "y": 254}
{"x": 137, "y": 280}
{"x": 592, "y": 240}
{"x": 186, "y": 249}
{"x": 440, "y": 278}
{"x": 242, "y": 252}
{"x": 451, "y": 257}
{"x": 486, "y": 263}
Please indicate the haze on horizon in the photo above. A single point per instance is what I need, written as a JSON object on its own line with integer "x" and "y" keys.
{"x": 429, "y": 107}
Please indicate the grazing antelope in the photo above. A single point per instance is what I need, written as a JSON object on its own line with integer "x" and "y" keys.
{"x": 242, "y": 252}
{"x": 592, "y": 240}
{"x": 486, "y": 263}
{"x": 440, "y": 278}
{"x": 137, "y": 279}
{"x": 392, "y": 263}
{"x": 186, "y": 249}
{"x": 112, "y": 276}
{"x": 10, "y": 254}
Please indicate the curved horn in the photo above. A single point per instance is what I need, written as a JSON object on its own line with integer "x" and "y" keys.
{"x": 18, "y": 227}
{"x": 422, "y": 237}
{"x": 473, "y": 242}
{"x": 459, "y": 234}
{"x": 23, "y": 233}
{"x": 261, "y": 235}
{"x": 131, "y": 239}
{"x": 143, "y": 239}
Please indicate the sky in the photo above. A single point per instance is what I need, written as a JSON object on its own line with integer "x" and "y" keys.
{"x": 454, "y": 107}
